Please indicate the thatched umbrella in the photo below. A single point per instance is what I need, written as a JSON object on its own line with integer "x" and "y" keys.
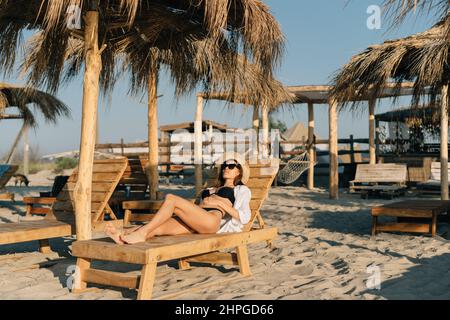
{"x": 244, "y": 26}
{"x": 21, "y": 98}
{"x": 422, "y": 58}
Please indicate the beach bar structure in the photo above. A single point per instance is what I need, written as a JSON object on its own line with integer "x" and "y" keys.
{"x": 312, "y": 95}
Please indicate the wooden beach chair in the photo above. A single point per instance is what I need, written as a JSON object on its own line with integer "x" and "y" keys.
{"x": 6, "y": 173}
{"x": 433, "y": 185}
{"x": 382, "y": 178}
{"x": 205, "y": 248}
{"x": 41, "y": 205}
{"x": 60, "y": 221}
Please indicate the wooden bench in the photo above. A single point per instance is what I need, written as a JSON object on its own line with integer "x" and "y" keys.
{"x": 203, "y": 248}
{"x": 422, "y": 209}
{"x": 383, "y": 178}
{"x": 6, "y": 173}
{"x": 60, "y": 220}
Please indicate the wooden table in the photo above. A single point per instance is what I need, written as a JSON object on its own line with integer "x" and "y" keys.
{"x": 410, "y": 209}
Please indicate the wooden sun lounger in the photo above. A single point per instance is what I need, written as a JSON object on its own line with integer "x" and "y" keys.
{"x": 42, "y": 205}
{"x": 203, "y": 248}
{"x": 4, "y": 179}
{"x": 383, "y": 178}
{"x": 60, "y": 221}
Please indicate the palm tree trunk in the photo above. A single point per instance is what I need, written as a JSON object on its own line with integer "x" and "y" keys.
{"x": 153, "y": 152}
{"x": 14, "y": 146}
{"x": 444, "y": 143}
{"x": 83, "y": 188}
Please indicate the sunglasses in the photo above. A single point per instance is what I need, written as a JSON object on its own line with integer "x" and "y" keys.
{"x": 230, "y": 166}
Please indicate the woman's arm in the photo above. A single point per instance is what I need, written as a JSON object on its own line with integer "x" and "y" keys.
{"x": 241, "y": 209}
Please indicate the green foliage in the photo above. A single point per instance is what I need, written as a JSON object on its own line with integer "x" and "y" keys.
{"x": 65, "y": 163}
{"x": 277, "y": 124}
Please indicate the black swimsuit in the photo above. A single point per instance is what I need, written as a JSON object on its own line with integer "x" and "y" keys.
{"x": 224, "y": 192}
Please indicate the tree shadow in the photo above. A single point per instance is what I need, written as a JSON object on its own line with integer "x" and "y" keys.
{"x": 427, "y": 280}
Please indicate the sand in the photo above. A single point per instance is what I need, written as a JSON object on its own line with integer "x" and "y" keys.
{"x": 323, "y": 251}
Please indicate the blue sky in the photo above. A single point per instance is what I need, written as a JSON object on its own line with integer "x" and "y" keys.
{"x": 322, "y": 35}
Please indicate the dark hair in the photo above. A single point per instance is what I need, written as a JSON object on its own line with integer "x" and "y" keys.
{"x": 237, "y": 181}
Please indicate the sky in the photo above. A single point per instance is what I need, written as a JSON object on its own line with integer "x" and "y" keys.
{"x": 322, "y": 35}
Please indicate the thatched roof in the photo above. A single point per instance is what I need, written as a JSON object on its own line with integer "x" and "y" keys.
{"x": 199, "y": 41}
{"x": 421, "y": 58}
{"x": 21, "y": 97}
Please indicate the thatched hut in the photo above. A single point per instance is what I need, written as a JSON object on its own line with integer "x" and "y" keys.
{"x": 421, "y": 58}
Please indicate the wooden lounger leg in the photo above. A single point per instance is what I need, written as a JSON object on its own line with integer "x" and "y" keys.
{"x": 374, "y": 225}
{"x": 147, "y": 281}
{"x": 242, "y": 256}
{"x": 44, "y": 246}
{"x": 29, "y": 209}
{"x": 183, "y": 264}
{"x": 126, "y": 217}
{"x": 82, "y": 265}
{"x": 434, "y": 225}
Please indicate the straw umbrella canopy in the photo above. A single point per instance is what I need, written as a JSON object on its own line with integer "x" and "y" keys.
{"x": 246, "y": 25}
{"x": 22, "y": 98}
{"x": 422, "y": 58}
{"x": 163, "y": 38}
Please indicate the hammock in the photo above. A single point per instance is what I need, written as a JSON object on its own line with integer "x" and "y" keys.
{"x": 294, "y": 168}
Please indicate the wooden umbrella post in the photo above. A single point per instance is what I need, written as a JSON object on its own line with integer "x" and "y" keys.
{"x": 153, "y": 152}
{"x": 311, "y": 154}
{"x": 372, "y": 104}
{"x": 333, "y": 150}
{"x": 198, "y": 145}
{"x": 265, "y": 129}
{"x": 255, "y": 126}
{"x": 444, "y": 143}
{"x": 83, "y": 188}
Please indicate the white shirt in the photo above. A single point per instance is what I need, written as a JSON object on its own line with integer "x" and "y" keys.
{"x": 242, "y": 196}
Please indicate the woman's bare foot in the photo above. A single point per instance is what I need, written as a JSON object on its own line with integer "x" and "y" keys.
{"x": 134, "y": 237}
{"x": 113, "y": 233}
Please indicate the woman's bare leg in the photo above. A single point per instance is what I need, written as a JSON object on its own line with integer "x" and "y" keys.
{"x": 194, "y": 216}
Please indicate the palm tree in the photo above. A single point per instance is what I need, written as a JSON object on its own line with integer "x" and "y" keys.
{"x": 21, "y": 98}
{"x": 243, "y": 27}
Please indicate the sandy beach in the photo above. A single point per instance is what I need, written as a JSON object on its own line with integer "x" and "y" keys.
{"x": 324, "y": 251}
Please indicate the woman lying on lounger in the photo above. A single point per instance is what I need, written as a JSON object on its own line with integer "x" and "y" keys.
{"x": 225, "y": 208}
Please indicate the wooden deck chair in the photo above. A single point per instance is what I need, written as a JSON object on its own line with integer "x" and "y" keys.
{"x": 60, "y": 221}
{"x": 184, "y": 248}
{"x": 6, "y": 173}
{"x": 41, "y": 205}
{"x": 134, "y": 182}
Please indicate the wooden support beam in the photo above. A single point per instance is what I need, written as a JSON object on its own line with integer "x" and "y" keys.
{"x": 83, "y": 189}
{"x": 444, "y": 143}
{"x": 333, "y": 150}
{"x": 255, "y": 126}
{"x": 311, "y": 153}
{"x": 265, "y": 130}
{"x": 153, "y": 152}
{"x": 372, "y": 154}
{"x": 198, "y": 145}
